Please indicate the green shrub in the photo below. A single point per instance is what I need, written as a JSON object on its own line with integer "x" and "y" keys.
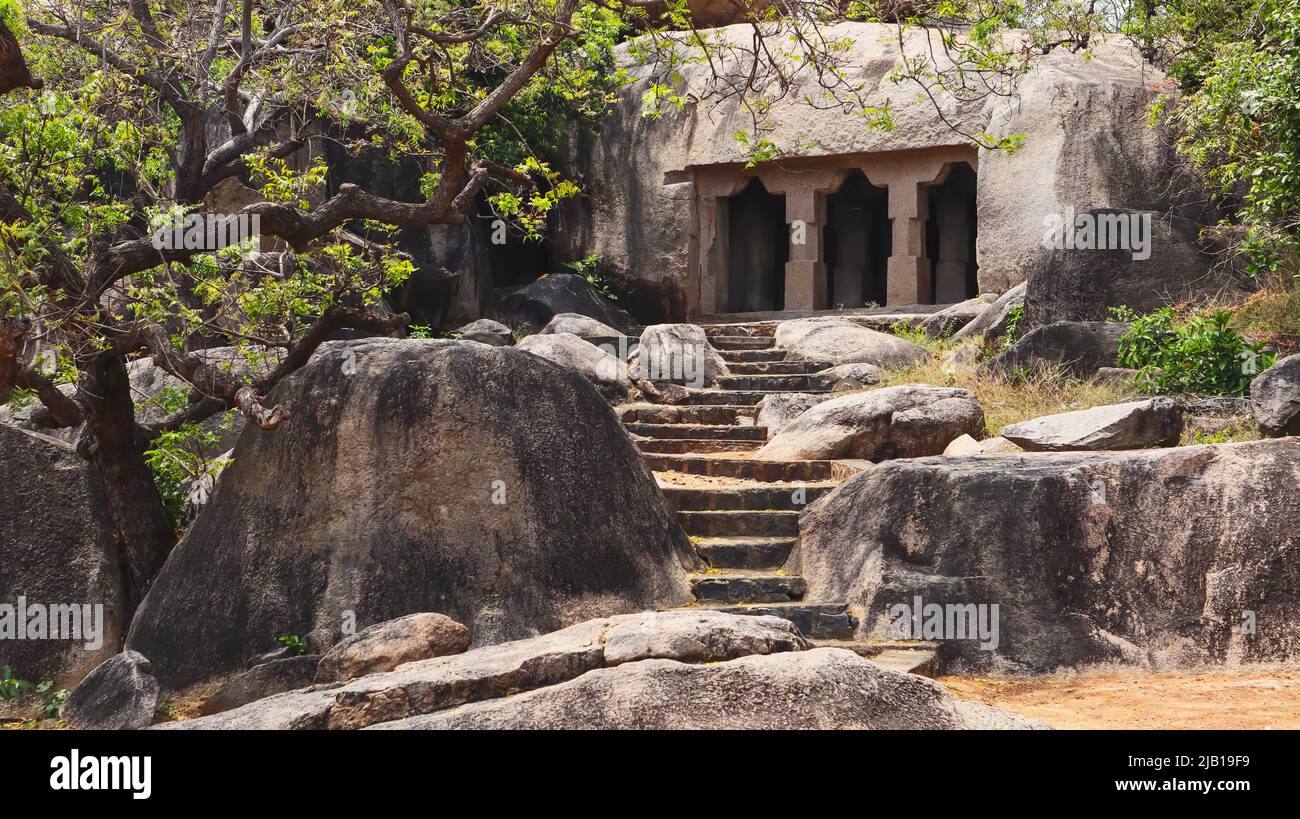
{"x": 1197, "y": 354}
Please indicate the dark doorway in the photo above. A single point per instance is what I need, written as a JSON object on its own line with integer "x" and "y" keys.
{"x": 758, "y": 246}
{"x": 950, "y": 237}
{"x": 857, "y": 242}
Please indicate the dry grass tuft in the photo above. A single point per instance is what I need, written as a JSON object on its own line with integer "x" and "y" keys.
{"x": 1273, "y": 314}
{"x": 1007, "y": 402}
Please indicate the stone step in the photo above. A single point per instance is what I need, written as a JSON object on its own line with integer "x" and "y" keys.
{"x": 776, "y": 383}
{"x": 751, "y": 356}
{"x": 706, "y": 498}
{"x": 740, "y": 522}
{"x": 687, "y": 414}
{"x": 738, "y": 586}
{"x": 699, "y": 432}
{"x": 816, "y": 621}
{"x": 742, "y": 342}
{"x": 744, "y": 552}
{"x": 687, "y": 446}
{"x": 736, "y": 397}
{"x": 747, "y": 468}
{"x": 907, "y": 656}
{"x": 776, "y": 367}
{"x": 748, "y": 329}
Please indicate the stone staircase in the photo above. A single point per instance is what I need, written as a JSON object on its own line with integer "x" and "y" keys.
{"x": 742, "y": 514}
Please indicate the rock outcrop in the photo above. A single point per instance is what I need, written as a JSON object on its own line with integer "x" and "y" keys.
{"x": 1134, "y": 425}
{"x": 909, "y": 421}
{"x": 949, "y": 321}
{"x": 1165, "y": 556}
{"x": 679, "y": 669}
{"x": 1275, "y": 398}
{"x": 841, "y": 341}
{"x": 60, "y": 554}
{"x": 119, "y": 695}
{"x": 414, "y": 476}
{"x": 261, "y": 681}
{"x": 822, "y": 689}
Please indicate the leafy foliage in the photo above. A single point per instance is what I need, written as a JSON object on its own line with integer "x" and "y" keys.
{"x": 1200, "y": 353}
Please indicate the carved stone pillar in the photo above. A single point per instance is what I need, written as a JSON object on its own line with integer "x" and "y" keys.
{"x": 805, "y": 272}
{"x": 909, "y": 270}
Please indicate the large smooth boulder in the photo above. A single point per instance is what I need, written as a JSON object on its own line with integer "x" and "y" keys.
{"x": 59, "y": 561}
{"x": 908, "y": 421}
{"x": 841, "y": 341}
{"x": 1164, "y": 556}
{"x": 826, "y": 688}
{"x": 608, "y": 373}
{"x": 1079, "y": 348}
{"x": 1132, "y": 425}
{"x": 480, "y": 482}
{"x": 1275, "y": 398}
{"x": 385, "y": 646}
{"x": 678, "y": 354}
{"x": 581, "y": 326}
{"x": 699, "y": 636}
{"x": 487, "y": 331}
{"x": 119, "y": 695}
{"x": 777, "y": 410}
{"x": 539, "y": 302}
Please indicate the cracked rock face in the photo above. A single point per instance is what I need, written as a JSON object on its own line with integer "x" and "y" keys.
{"x": 1150, "y": 556}
{"x": 483, "y": 483}
{"x": 677, "y": 669}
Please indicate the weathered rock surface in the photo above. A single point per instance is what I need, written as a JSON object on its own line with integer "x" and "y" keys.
{"x": 908, "y": 421}
{"x": 1149, "y": 554}
{"x": 946, "y": 322}
{"x": 1082, "y": 284}
{"x": 776, "y": 411}
{"x": 487, "y": 331}
{"x": 580, "y": 326}
{"x": 557, "y": 293}
{"x": 59, "y": 549}
{"x": 119, "y": 695}
{"x": 1133, "y": 425}
{"x": 966, "y": 445}
{"x": 1275, "y": 398}
{"x": 826, "y": 688}
{"x": 510, "y": 668}
{"x": 606, "y": 372}
{"x": 840, "y": 341}
{"x": 480, "y": 482}
{"x": 1079, "y": 348}
{"x": 385, "y": 646}
{"x": 990, "y": 325}
{"x": 261, "y": 681}
{"x": 678, "y": 354}
{"x": 853, "y": 376}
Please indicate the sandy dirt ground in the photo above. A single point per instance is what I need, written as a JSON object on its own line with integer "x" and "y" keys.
{"x": 1252, "y": 697}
